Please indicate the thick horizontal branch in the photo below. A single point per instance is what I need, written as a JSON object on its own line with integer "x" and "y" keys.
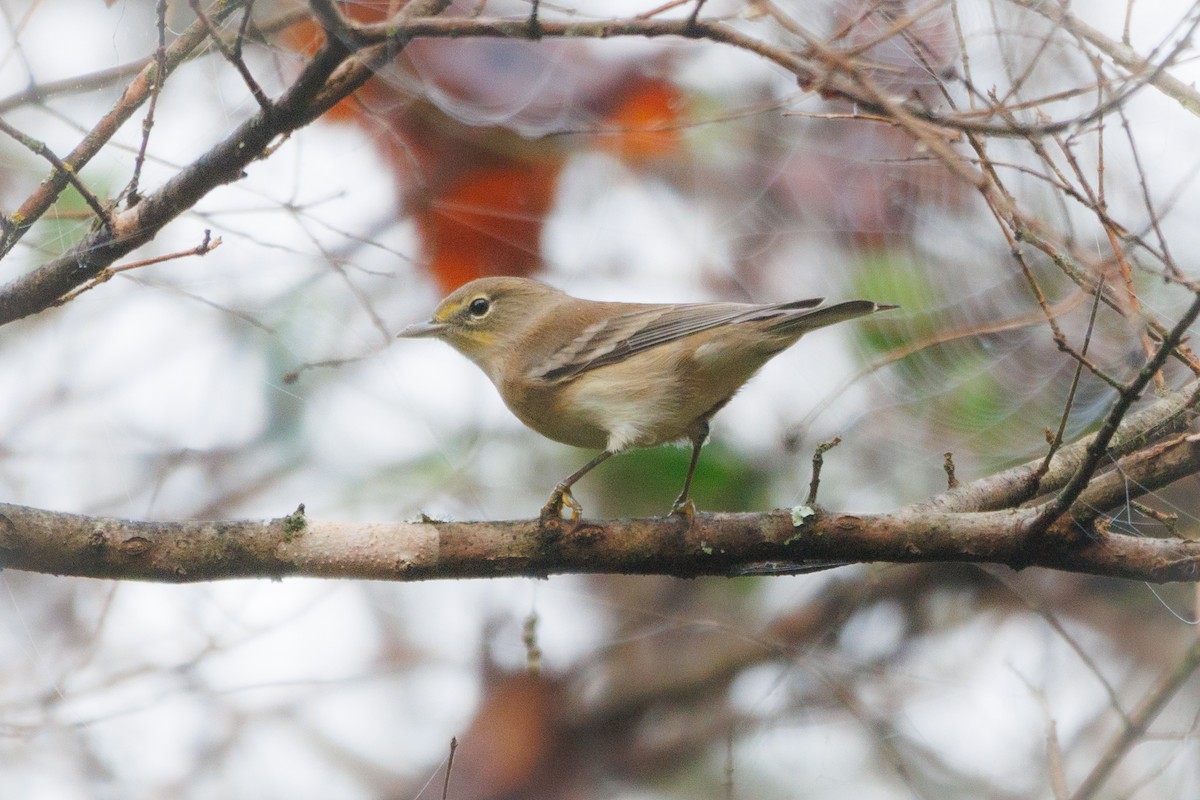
{"x": 710, "y": 544}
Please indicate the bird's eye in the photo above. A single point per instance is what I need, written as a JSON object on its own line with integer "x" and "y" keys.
{"x": 479, "y": 307}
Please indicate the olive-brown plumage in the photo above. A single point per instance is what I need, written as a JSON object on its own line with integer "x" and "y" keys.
{"x": 615, "y": 376}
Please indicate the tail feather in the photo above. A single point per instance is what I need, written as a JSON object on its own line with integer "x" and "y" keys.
{"x": 810, "y": 320}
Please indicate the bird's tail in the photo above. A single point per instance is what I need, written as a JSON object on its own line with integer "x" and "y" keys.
{"x": 798, "y": 321}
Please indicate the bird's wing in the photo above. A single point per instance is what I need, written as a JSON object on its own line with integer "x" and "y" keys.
{"x": 617, "y": 338}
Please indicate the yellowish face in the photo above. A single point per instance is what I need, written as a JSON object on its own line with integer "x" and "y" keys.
{"x": 484, "y": 318}
{"x": 468, "y": 319}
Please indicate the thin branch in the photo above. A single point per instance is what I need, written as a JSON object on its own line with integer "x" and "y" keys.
{"x": 160, "y": 74}
{"x": 326, "y": 79}
{"x": 100, "y": 79}
{"x": 449, "y": 767}
{"x": 819, "y": 68}
{"x": 1035, "y": 604}
{"x": 1169, "y": 415}
{"x": 136, "y": 93}
{"x": 948, "y": 466}
{"x": 233, "y": 55}
{"x": 1120, "y": 53}
{"x": 1098, "y": 446}
{"x": 1057, "y": 441}
{"x": 204, "y": 248}
{"x": 1139, "y": 720}
{"x": 62, "y": 169}
{"x": 818, "y": 460}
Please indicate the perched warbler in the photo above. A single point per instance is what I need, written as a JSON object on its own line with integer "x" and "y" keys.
{"x": 615, "y": 376}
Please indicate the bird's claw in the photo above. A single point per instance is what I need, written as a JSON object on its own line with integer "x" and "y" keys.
{"x": 684, "y": 508}
{"x": 561, "y": 497}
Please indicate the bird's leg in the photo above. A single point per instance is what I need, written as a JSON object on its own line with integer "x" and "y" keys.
{"x": 683, "y": 504}
{"x": 562, "y": 492}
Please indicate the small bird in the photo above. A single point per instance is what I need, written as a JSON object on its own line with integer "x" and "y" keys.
{"x": 617, "y": 376}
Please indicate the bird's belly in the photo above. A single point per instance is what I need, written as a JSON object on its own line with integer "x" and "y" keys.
{"x": 656, "y": 397}
{"x": 606, "y": 413}
{"x": 628, "y": 413}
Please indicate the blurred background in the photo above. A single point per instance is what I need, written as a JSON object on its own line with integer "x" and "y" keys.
{"x": 265, "y": 374}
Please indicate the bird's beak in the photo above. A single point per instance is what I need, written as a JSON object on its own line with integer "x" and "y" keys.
{"x": 420, "y": 330}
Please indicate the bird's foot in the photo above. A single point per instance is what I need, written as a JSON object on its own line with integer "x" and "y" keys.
{"x": 554, "y": 506}
{"x": 684, "y": 507}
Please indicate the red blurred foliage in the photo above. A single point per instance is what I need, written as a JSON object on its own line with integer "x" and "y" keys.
{"x": 469, "y": 133}
{"x": 515, "y": 748}
{"x": 869, "y": 181}
{"x": 646, "y": 118}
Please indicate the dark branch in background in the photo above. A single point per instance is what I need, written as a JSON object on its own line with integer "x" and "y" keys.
{"x": 1139, "y": 720}
{"x": 325, "y": 80}
{"x": 341, "y": 71}
{"x": 131, "y": 99}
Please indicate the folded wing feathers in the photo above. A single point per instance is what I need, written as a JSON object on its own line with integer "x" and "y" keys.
{"x": 616, "y": 339}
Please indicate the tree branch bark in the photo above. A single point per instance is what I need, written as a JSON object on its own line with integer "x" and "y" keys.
{"x": 982, "y": 522}
{"x": 713, "y": 544}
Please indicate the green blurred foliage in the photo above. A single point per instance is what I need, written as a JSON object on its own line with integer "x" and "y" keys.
{"x": 646, "y": 482}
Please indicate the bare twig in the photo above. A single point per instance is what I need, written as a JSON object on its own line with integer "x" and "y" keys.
{"x": 1139, "y": 720}
{"x": 533, "y": 652}
{"x": 1057, "y": 440}
{"x": 1120, "y": 53}
{"x": 818, "y": 460}
{"x": 948, "y": 466}
{"x": 62, "y": 169}
{"x": 328, "y": 77}
{"x": 160, "y": 75}
{"x": 449, "y": 767}
{"x": 1097, "y": 447}
{"x": 138, "y": 91}
{"x": 204, "y": 248}
{"x": 90, "y": 82}
{"x": 233, "y": 54}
